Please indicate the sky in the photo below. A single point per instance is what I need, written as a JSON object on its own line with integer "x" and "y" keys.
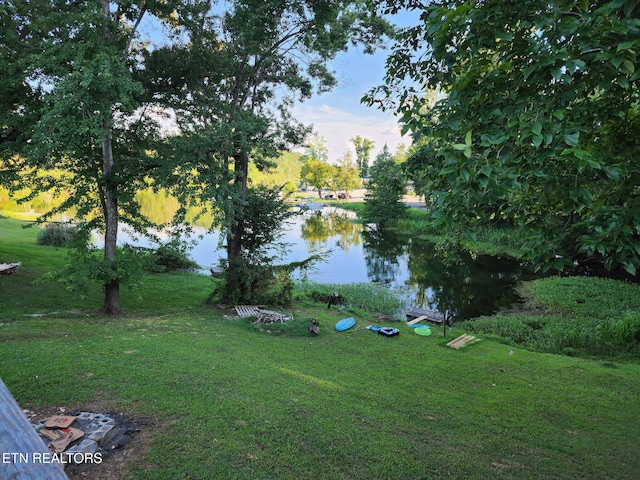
{"x": 339, "y": 116}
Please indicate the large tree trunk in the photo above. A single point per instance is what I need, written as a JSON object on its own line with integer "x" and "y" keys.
{"x": 110, "y": 206}
{"x": 110, "y": 197}
{"x": 236, "y": 231}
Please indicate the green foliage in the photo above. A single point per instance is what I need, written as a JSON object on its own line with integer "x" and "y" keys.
{"x": 286, "y": 170}
{"x": 86, "y": 266}
{"x": 321, "y": 175}
{"x": 344, "y": 178}
{"x": 83, "y": 113}
{"x": 363, "y": 148}
{"x": 586, "y": 316}
{"x": 316, "y": 149}
{"x": 172, "y": 256}
{"x": 533, "y": 122}
{"x": 317, "y": 174}
{"x": 387, "y": 185}
{"x": 253, "y": 284}
{"x": 252, "y": 277}
{"x": 56, "y": 234}
{"x": 364, "y": 296}
{"x": 247, "y": 64}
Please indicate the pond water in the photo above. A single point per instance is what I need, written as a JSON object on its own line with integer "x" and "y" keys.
{"x": 466, "y": 286}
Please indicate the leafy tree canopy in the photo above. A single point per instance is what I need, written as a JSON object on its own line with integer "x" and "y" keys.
{"x": 317, "y": 174}
{"x": 363, "y": 148}
{"x": 385, "y": 189}
{"x": 316, "y": 147}
{"x": 232, "y": 86}
{"x": 74, "y": 102}
{"x": 345, "y": 176}
{"x": 536, "y": 122}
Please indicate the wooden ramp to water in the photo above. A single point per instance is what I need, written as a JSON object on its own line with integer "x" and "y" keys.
{"x": 427, "y": 315}
{"x": 23, "y": 455}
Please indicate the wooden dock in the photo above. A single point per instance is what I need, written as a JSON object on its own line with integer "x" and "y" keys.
{"x": 426, "y": 315}
{"x": 24, "y": 456}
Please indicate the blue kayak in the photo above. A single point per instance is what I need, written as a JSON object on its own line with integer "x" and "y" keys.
{"x": 345, "y": 324}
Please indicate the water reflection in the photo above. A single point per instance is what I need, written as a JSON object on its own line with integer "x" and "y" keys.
{"x": 383, "y": 254}
{"x": 465, "y": 285}
{"x": 330, "y": 223}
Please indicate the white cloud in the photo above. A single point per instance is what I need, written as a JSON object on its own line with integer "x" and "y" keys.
{"x": 338, "y": 126}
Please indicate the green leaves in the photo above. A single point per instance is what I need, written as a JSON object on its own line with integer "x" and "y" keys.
{"x": 551, "y": 95}
{"x": 387, "y": 185}
{"x": 466, "y": 147}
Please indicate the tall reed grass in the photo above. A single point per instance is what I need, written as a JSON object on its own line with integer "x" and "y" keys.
{"x": 364, "y": 296}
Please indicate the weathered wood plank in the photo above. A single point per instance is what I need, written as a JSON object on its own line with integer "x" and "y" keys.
{"x": 7, "y": 268}
{"x": 246, "y": 310}
{"x": 431, "y": 316}
{"x": 457, "y": 339}
{"x": 23, "y": 456}
{"x": 417, "y": 320}
{"x": 462, "y": 341}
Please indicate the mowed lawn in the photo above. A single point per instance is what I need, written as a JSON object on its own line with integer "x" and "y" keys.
{"x": 224, "y": 400}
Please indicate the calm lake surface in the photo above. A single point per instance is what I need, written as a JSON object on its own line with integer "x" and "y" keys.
{"x": 466, "y": 286}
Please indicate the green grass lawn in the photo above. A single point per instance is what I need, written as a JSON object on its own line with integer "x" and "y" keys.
{"x": 227, "y": 400}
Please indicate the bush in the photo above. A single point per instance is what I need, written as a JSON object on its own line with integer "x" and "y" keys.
{"x": 254, "y": 284}
{"x": 173, "y": 256}
{"x": 56, "y": 235}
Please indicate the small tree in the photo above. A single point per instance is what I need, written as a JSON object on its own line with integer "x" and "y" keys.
{"x": 317, "y": 174}
{"x": 258, "y": 279}
{"x": 387, "y": 185}
{"x": 316, "y": 148}
{"x": 363, "y": 148}
{"x": 346, "y": 175}
{"x": 74, "y": 103}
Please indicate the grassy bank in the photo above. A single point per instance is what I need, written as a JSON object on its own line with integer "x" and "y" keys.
{"x": 572, "y": 316}
{"x": 220, "y": 398}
